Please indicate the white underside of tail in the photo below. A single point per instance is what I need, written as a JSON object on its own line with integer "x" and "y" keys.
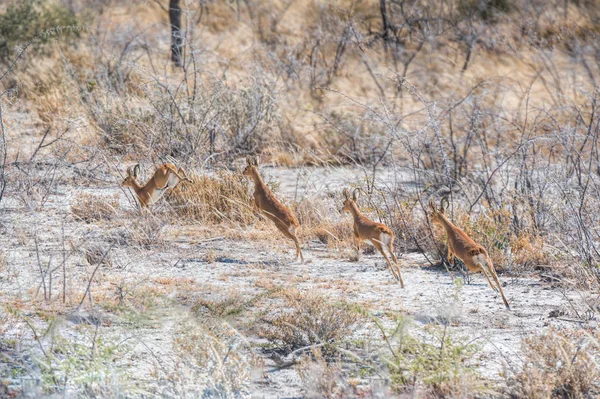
{"x": 482, "y": 260}
{"x": 384, "y": 239}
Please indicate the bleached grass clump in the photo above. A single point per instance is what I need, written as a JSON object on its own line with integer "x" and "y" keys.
{"x": 214, "y": 198}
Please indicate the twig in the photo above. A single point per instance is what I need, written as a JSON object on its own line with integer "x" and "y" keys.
{"x": 87, "y": 290}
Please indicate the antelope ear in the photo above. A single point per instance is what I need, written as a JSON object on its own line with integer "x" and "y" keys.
{"x": 249, "y": 161}
{"x": 442, "y": 207}
{"x": 432, "y": 204}
{"x": 346, "y": 193}
{"x": 355, "y": 194}
{"x": 256, "y": 161}
{"x": 136, "y": 170}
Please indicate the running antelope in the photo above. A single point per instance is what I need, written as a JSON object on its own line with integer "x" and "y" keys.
{"x": 373, "y": 232}
{"x": 166, "y": 177}
{"x": 265, "y": 201}
{"x": 474, "y": 256}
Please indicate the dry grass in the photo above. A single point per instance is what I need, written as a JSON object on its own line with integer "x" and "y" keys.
{"x": 93, "y": 208}
{"x": 315, "y": 83}
{"x": 224, "y": 197}
{"x": 559, "y": 364}
{"x": 321, "y": 218}
{"x": 509, "y": 250}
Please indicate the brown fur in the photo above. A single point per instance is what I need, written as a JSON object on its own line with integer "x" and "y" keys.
{"x": 377, "y": 233}
{"x": 159, "y": 181}
{"x": 474, "y": 256}
{"x": 265, "y": 201}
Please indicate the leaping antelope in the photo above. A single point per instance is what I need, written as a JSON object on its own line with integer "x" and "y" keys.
{"x": 474, "y": 256}
{"x": 378, "y": 234}
{"x": 265, "y": 201}
{"x": 166, "y": 177}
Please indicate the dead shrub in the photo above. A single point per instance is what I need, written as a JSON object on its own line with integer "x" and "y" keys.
{"x": 93, "y": 208}
{"x": 214, "y": 199}
{"x": 558, "y": 364}
{"x": 307, "y": 319}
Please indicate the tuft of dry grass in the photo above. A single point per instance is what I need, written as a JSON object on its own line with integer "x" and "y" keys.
{"x": 317, "y": 218}
{"x": 214, "y": 199}
{"x": 559, "y": 364}
{"x": 93, "y": 208}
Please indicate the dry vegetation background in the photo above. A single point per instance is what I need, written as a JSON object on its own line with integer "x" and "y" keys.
{"x": 494, "y": 103}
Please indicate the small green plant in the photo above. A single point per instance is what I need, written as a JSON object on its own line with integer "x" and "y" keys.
{"x": 437, "y": 362}
{"x": 86, "y": 363}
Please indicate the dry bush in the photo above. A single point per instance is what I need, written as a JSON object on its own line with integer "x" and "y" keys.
{"x": 305, "y": 319}
{"x": 558, "y": 364}
{"x": 506, "y": 248}
{"x": 224, "y": 197}
{"x": 94, "y": 208}
{"x": 413, "y": 233}
{"x": 210, "y": 360}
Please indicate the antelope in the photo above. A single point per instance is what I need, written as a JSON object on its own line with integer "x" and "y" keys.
{"x": 474, "y": 256}
{"x": 265, "y": 202}
{"x": 167, "y": 176}
{"x": 378, "y": 234}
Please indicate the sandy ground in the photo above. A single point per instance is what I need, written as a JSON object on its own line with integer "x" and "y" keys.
{"x": 219, "y": 265}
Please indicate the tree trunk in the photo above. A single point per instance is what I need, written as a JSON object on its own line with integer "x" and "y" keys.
{"x": 384, "y": 21}
{"x": 176, "y": 33}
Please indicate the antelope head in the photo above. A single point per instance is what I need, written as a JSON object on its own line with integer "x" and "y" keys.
{"x": 131, "y": 179}
{"x": 349, "y": 201}
{"x": 436, "y": 214}
{"x": 251, "y": 166}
